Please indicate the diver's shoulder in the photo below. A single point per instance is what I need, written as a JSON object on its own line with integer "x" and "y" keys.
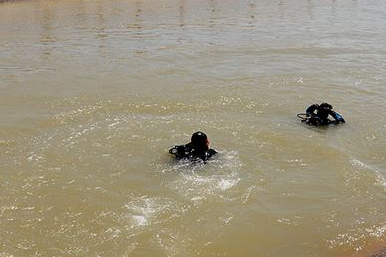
{"x": 177, "y": 149}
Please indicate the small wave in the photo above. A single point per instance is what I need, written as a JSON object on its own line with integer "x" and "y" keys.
{"x": 73, "y": 115}
{"x": 379, "y": 178}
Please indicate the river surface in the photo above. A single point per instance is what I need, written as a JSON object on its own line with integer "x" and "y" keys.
{"x": 93, "y": 93}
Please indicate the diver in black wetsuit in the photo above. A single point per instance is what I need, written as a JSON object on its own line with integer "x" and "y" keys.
{"x": 320, "y": 118}
{"x": 198, "y": 148}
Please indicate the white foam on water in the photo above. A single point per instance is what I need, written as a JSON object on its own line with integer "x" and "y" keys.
{"x": 146, "y": 211}
{"x": 225, "y": 184}
{"x": 358, "y": 163}
{"x": 199, "y": 182}
{"x": 152, "y": 215}
{"x": 139, "y": 220}
{"x": 35, "y": 157}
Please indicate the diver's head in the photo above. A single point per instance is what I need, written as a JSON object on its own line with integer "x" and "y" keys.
{"x": 326, "y": 106}
{"x": 200, "y": 140}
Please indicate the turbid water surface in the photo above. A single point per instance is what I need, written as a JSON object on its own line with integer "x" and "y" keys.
{"x": 95, "y": 92}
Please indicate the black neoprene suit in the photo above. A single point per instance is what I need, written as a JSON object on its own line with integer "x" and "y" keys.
{"x": 188, "y": 151}
{"x": 321, "y": 115}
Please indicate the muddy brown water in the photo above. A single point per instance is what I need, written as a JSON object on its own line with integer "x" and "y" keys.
{"x": 94, "y": 93}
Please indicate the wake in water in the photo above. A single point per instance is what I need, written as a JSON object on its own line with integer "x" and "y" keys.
{"x": 217, "y": 180}
{"x": 196, "y": 188}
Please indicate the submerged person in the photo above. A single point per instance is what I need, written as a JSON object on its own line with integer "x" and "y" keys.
{"x": 318, "y": 115}
{"x": 198, "y": 148}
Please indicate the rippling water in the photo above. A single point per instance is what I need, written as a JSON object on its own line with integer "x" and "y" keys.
{"x": 94, "y": 93}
